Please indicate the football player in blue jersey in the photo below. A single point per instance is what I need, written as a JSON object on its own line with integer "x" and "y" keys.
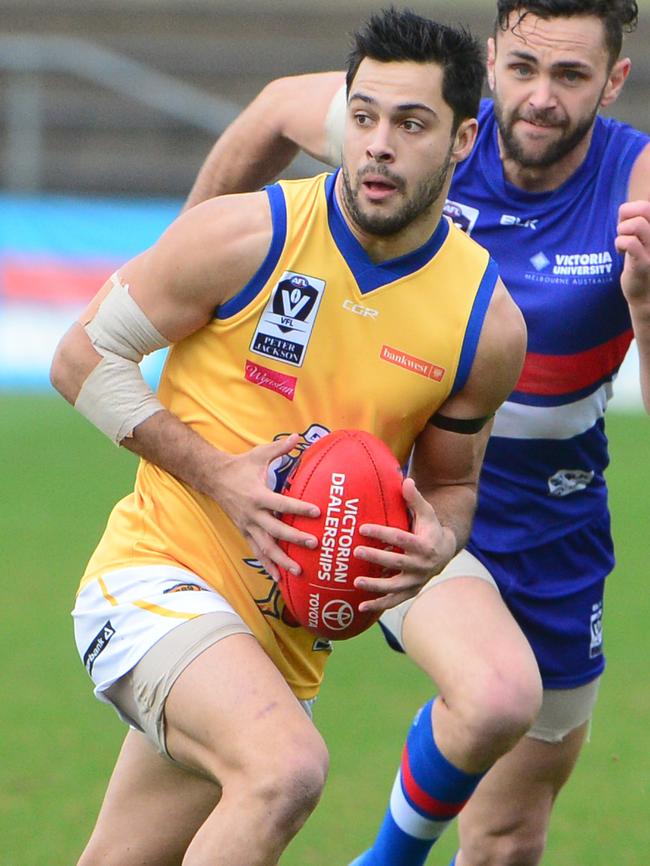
{"x": 560, "y": 197}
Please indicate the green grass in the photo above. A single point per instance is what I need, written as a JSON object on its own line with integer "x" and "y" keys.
{"x": 58, "y": 744}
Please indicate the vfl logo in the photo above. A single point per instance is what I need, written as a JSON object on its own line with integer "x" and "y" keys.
{"x": 292, "y": 302}
{"x": 567, "y": 481}
{"x": 99, "y": 644}
{"x": 596, "y": 630}
{"x": 287, "y": 321}
{"x": 337, "y": 614}
{"x": 462, "y": 215}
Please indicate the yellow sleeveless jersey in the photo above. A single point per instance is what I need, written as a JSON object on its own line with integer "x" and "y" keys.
{"x": 320, "y": 339}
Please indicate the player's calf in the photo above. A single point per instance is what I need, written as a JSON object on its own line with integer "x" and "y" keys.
{"x": 513, "y": 849}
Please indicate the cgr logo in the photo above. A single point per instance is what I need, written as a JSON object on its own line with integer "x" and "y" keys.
{"x": 360, "y": 310}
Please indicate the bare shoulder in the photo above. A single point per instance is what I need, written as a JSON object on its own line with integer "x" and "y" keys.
{"x": 502, "y": 345}
{"x": 205, "y": 257}
{"x": 639, "y": 187}
{"x": 213, "y": 249}
{"x": 504, "y": 331}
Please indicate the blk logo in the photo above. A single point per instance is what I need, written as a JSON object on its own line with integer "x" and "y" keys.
{"x": 510, "y": 220}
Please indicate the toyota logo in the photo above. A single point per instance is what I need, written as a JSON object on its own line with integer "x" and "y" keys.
{"x": 337, "y": 614}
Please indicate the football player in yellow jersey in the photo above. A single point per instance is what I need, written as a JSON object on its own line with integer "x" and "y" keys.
{"x": 222, "y": 764}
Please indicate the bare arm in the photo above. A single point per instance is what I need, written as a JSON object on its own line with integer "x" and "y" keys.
{"x": 204, "y": 258}
{"x": 445, "y": 468}
{"x": 634, "y": 241}
{"x": 288, "y": 115}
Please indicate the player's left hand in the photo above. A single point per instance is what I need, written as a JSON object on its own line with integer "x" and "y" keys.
{"x": 633, "y": 240}
{"x": 425, "y": 551}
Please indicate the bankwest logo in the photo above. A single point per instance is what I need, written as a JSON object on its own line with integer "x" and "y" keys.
{"x": 410, "y": 362}
{"x": 281, "y": 383}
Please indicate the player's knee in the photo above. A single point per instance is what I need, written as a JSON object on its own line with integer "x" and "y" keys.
{"x": 291, "y": 778}
{"x": 292, "y": 783}
{"x": 500, "y": 711}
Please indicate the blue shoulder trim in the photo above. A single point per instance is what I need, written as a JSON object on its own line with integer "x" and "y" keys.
{"x": 258, "y": 281}
{"x": 475, "y": 324}
{"x": 372, "y": 275}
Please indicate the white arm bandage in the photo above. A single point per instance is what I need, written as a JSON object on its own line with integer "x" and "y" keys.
{"x": 115, "y": 397}
{"x": 335, "y": 126}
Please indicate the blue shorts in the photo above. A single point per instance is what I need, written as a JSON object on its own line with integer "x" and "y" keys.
{"x": 555, "y": 593}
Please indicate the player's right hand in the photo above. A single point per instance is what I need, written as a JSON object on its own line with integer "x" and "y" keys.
{"x": 243, "y": 493}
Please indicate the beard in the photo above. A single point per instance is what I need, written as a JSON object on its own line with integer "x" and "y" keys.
{"x": 377, "y": 223}
{"x": 569, "y": 139}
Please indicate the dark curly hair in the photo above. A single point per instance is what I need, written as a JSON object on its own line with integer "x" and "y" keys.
{"x": 618, "y": 16}
{"x": 402, "y": 35}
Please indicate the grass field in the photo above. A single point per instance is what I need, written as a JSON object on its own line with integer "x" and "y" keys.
{"x": 57, "y": 744}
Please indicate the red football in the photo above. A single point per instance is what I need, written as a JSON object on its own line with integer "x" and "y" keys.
{"x": 354, "y": 478}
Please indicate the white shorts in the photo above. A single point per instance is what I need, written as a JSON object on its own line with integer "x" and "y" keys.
{"x": 562, "y": 711}
{"x": 138, "y": 628}
{"x": 119, "y": 616}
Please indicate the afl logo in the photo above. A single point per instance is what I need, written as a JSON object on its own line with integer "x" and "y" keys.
{"x": 462, "y": 215}
{"x": 337, "y": 614}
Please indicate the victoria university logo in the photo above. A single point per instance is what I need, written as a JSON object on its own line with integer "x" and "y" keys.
{"x": 285, "y": 326}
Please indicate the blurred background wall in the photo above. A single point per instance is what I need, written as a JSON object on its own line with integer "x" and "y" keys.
{"x": 107, "y": 109}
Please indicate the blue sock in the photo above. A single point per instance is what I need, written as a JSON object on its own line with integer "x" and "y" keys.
{"x": 427, "y": 795}
{"x": 453, "y": 859}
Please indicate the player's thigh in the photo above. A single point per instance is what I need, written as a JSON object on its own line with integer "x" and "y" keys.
{"x": 151, "y": 810}
{"x": 461, "y": 633}
{"x": 508, "y": 814}
{"x": 231, "y": 714}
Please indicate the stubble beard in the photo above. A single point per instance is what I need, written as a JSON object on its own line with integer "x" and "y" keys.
{"x": 426, "y": 193}
{"x": 555, "y": 151}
